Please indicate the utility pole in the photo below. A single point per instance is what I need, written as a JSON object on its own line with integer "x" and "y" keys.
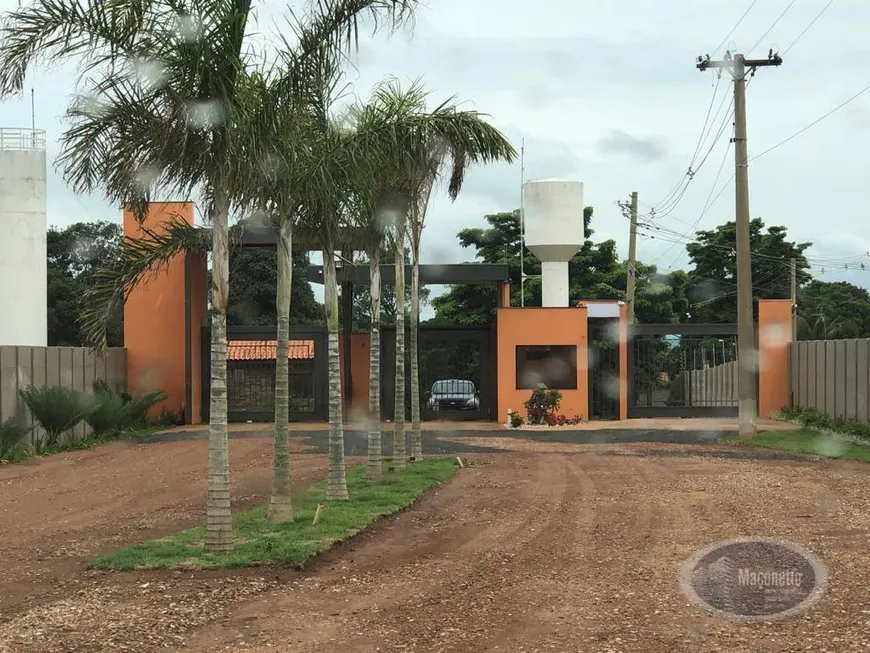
{"x": 747, "y": 362}
{"x": 794, "y": 300}
{"x": 631, "y": 283}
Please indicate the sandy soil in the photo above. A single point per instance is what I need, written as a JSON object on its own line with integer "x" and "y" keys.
{"x": 573, "y": 549}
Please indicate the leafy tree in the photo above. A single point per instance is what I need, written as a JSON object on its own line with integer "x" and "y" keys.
{"x": 362, "y": 305}
{"x": 713, "y": 278}
{"x": 833, "y": 310}
{"x": 253, "y": 279}
{"x": 594, "y": 273}
{"x": 74, "y": 253}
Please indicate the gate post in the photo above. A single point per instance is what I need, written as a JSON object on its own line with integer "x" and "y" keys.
{"x": 624, "y": 353}
{"x": 774, "y": 336}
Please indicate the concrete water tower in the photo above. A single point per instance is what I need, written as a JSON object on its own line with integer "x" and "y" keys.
{"x": 553, "y": 223}
{"x": 23, "y": 265}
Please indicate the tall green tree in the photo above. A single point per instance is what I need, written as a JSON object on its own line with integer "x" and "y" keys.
{"x": 424, "y": 144}
{"x": 713, "y": 277}
{"x": 595, "y": 272}
{"x": 74, "y": 253}
{"x": 253, "y": 283}
{"x": 833, "y": 310}
{"x": 154, "y": 116}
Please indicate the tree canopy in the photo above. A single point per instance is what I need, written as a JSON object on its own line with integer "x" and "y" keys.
{"x": 706, "y": 292}
{"x": 595, "y": 272}
{"x": 74, "y": 252}
{"x": 713, "y": 277}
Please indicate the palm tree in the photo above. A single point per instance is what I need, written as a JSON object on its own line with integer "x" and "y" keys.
{"x": 157, "y": 118}
{"x": 429, "y": 142}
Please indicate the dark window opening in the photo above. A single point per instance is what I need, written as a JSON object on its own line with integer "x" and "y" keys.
{"x": 555, "y": 366}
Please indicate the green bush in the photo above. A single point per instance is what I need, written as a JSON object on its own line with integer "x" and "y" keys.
{"x": 57, "y": 410}
{"x": 11, "y": 436}
{"x": 113, "y": 411}
{"x": 816, "y": 419}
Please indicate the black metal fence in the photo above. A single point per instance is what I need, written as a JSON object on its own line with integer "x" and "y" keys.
{"x": 682, "y": 370}
{"x": 603, "y": 366}
{"x": 251, "y": 380}
{"x": 457, "y": 373}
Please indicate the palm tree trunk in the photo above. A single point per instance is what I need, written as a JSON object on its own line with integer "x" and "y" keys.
{"x": 399, "y": 414}
{"x": 219, "y": 521}
{"x": 280, "y": 504}
{"x": 375, "y": 459}
{"x": 337, "y": 487}
{"x": 416, "y": 435}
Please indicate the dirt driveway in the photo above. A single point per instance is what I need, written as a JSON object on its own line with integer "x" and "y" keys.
{"x": 548, "y": 547}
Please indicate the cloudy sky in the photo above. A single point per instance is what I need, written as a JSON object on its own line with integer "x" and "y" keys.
{"x": 607, "y": 93}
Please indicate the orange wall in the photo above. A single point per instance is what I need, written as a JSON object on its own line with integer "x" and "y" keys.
{"x": 774, "y": 336}
{"x": 197, "y": 270}
{"x": 154, "y": 320}
{"x": 540, "y": 326}
{"x": 359, "y": 361}
{"x": 624, "y": 352}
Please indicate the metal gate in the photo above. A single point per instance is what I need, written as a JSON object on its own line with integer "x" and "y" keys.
{"x": 603, "y": 368}
{"x": 251, "y": 373}
{"x": 457, "y": 373}
{"x": 682, "y": 370}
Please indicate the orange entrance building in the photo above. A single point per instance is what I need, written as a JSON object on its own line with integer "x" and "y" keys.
{"x": 599, "y": 376}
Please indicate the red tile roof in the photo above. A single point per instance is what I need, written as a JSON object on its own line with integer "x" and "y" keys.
{"x": 262, "y": 350}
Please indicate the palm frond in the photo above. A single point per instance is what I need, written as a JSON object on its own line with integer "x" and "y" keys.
{"x": 139, "y": 259}
{"x": 53, "y": 30}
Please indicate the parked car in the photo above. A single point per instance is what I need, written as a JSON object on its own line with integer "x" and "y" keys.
{"x": 453, "y": 394}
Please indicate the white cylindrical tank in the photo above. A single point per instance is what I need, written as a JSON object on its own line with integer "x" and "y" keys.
{"x": 23, "y": 265}
{"x": 553, "y": 217}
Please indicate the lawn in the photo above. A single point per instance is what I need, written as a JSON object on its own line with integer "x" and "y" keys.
{"x": 810, "y": 442}
{"x": 259, "y": 542}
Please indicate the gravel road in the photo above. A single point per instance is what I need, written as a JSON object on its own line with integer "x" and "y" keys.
{"x": 534, "y": 548}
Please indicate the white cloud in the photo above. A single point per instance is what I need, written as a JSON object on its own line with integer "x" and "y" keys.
{"x": 570, "y": 74}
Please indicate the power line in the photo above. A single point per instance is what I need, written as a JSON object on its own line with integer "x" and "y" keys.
{"x": 684, "y": 181}
{"x": 728, "y": 35}
{"x": 775, "y": 23}
{"x": 846, "y": 260}
{"x": 708, "y": 204}
{"x": 814, "y": 122}
{"x": 667, "y": 210}
{"x": 807, "y": 28}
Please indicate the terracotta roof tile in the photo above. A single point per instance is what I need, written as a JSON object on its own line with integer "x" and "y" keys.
{"x": 262, "y": 350}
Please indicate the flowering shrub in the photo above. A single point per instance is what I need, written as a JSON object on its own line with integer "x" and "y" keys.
{"x": 561, "y": 420}
{"x": 542, "y": 404}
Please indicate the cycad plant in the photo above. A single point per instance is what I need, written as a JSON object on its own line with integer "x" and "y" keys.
{"x": 57, "y": 410}
{"x": 114, "y": 411}
{"x": 12, "y": 436}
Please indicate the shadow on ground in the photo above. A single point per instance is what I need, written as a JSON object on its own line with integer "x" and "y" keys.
{"x": 451, "y": 442}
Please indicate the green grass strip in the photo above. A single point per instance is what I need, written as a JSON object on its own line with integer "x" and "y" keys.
{"x": 811, "y": 442}
{"x": 259, "y": 542}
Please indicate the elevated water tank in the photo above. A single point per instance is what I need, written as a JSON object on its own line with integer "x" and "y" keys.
{"x": 23, "y": 266}
{"x": 553, "y": 216}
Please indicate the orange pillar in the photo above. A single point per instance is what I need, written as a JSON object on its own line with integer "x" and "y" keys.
{"x": 624, "y": 353}
{"x": 157, "y": 324}
{"x": 774, "y": 336}
{"x": 359, "y": 363}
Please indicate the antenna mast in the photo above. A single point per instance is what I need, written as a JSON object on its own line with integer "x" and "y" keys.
{"x": 522, "y": 224}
